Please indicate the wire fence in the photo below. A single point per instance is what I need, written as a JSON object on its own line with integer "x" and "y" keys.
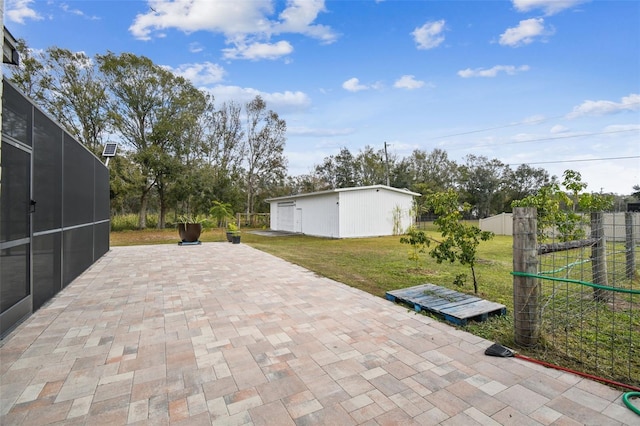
{"x": 588, "y": 296}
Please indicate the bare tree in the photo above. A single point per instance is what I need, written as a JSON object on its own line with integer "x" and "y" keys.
{"x": 264, "y": 146}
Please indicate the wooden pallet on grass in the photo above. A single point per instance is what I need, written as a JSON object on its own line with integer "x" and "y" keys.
{"x": 455, "y": 307}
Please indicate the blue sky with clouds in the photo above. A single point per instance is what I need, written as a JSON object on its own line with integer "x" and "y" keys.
{"x": 551, "y": 83}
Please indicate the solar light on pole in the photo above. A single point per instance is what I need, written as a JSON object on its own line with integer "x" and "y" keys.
{"x": 109, "y": 151}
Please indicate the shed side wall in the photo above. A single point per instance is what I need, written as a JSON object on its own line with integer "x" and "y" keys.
{"x": 319, "y": 215}
{"x": 370, "y": 212}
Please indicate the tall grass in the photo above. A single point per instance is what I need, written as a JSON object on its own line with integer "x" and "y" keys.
{"x": 129, "y": 222}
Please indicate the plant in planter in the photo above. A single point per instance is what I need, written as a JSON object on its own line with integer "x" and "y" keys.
{"x": 222, "y": 213}
{"x": 189, "y": 229}
{"x": 235, "y": 238}
{"x": 232, "y": 230}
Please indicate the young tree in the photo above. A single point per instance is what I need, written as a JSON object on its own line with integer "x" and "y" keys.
{"x": 560, "y": 209}
{"x": 460, "y": 240}
{"x": 264, "y": 146}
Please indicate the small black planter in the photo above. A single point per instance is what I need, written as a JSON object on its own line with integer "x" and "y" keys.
{"x": 235, "y": 239}
{"x": 229, "y": 235}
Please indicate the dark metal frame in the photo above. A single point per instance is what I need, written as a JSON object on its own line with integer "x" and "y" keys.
{"x": 63, "y": 222}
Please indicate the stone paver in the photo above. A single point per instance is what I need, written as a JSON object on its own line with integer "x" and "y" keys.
{"x": 225, "y": 334}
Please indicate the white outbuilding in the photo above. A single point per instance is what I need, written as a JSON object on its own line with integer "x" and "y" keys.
{"x": 366, "y": 211}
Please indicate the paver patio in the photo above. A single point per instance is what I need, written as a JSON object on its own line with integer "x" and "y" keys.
{"x": 226, "y": 334}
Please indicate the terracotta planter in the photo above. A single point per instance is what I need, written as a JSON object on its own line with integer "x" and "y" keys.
{"x": 189, "y": 232}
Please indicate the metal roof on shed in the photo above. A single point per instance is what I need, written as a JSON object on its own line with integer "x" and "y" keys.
{"x": 330, "y": 191}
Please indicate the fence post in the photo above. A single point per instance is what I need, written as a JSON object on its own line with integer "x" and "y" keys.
{"x": 630, "y": 245}
{"x": 526, "y": 290}
{"x": 599, "y": 256}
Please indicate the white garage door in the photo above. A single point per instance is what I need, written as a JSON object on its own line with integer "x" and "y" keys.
{"x": 285, "y": 216}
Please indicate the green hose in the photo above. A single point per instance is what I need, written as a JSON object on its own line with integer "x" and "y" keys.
{"x": 628, "y": 403}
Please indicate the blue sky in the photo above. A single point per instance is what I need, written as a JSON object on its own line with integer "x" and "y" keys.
{"x": 550, "y": 83}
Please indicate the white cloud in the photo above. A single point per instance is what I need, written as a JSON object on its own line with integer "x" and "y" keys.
{"x": 257, "y": 51}
{"x": 229, "y": 18}
{"x": 281, "y": 102}
{"x": 248, "y": 25}
{"x": 533, "y": 119}
{"x": 492, "y": 72}
{"x": 20, "y": 10}
{"x": 429, "y": 35}
{"x": 202, "y": 74}
{"x": 627, "y": 103}
{"x": 77, "y": 12}
{"x": 524, "y": 33}
{"x": 195, "y": 48}
{"x": 550, "y": 7}
{"x": 307, "y": 131}
{"x": 408, "y": 82}
{"x": 298, "y": 17}
{"x": 558, "y": 128}
{"x": 353, "y": 85}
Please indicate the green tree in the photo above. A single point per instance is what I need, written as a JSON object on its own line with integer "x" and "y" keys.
{"x": 460, "y": 240}
{"x": 153, "y": 111}
{"x": 221, "y": 212}
{"x": 346, "y": 174}
{"x": 79, "y": 100}
{"x": 482, "y": 183}
{"x": 433, "y": 171}
{"x": 370, "y": 167}
{"x": 69, "y": 87}
{"x": 418, "y": 241}
{"x": 523, "y": 182}
{"x": 30, "y": 76}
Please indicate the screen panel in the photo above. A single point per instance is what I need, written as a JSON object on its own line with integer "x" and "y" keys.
{"x": 16, "y": 115}
{"x": 77, "y": 183}
{"x": 47, "y": 267}
{"x": 101, "y": 239}
{"x": 14, "y": 275}
{"x": 16, "y": 193}
{"x": 77, "y": 251}
{"x": 47, "y": 173}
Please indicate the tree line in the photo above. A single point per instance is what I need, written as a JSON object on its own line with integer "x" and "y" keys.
{"x": 182, "y": 153}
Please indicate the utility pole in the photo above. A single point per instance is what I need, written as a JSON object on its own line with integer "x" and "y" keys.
{"x": 386, "y": 162}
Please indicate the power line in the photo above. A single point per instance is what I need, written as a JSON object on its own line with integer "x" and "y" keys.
{"x": 576, "y": 161}
{"x": 546, "y": 139}
{"x": 520, "y": 123}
